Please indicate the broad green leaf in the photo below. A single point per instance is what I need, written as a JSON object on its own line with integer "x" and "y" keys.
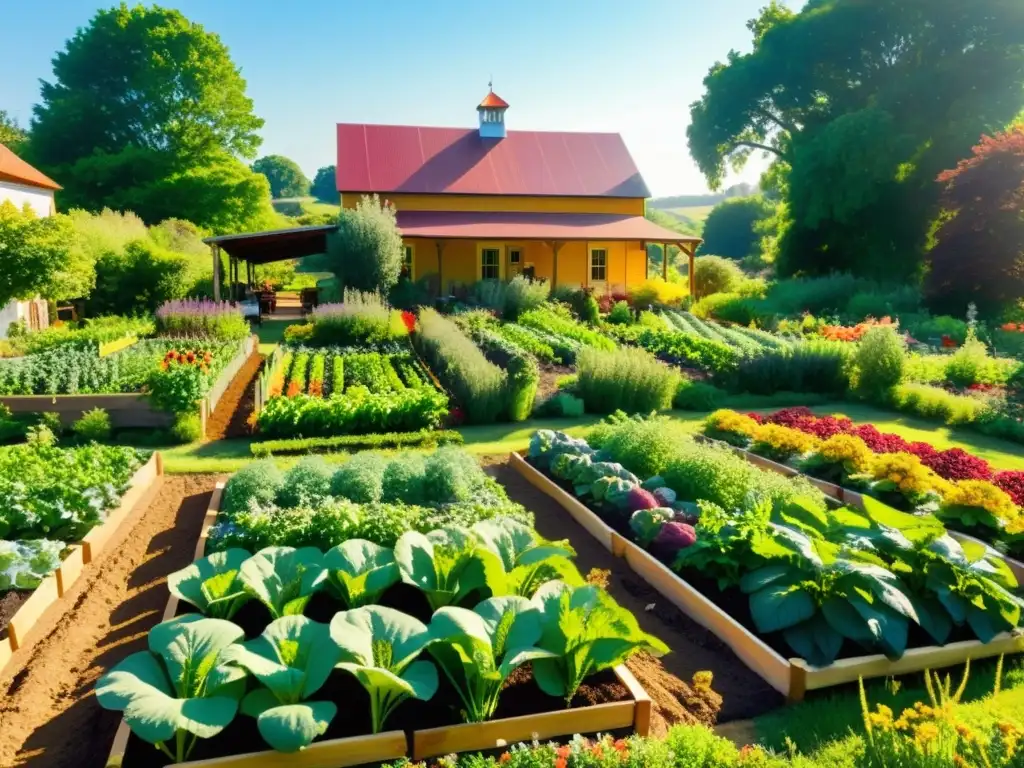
{"x": 292, "y": 727}
{"x": 779, "y": 606}
{"x": 890, "y": 628}
{"x": 933, "y": 618}
{"x": 845, "y": 620}
{"x": 762, "y": 577}
{"x": 984, "y": 624}
{"x": 284, "y": 578}
{"x": 211, "y": 584}
{"x": 359, "y": 571}
{"x": 815, "y": 641}
{"x": 955, "y": 605}
{"x": 914, "y": 527}
{"x": 447, "y": 564}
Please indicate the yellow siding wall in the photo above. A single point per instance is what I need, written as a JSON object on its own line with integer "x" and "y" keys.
{"x": 627, "y": 261}
{"x": 633, "y": 206}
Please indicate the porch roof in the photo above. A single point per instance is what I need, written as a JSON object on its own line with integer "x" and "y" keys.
{"x": 488, "y": 225}
{"x": 275, "y": 244}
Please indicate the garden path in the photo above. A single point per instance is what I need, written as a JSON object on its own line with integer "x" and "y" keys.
{"x": 230, "y": 417}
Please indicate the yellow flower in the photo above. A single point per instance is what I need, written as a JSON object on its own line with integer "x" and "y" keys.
{"x": 984, "y": 495}
{"x": 849, "y": 450}
{"x": 926, "y": 732}
{"x": 906, "y": 472}
{"x": 724, "y": 420}
{"x": 784, "y": 440}
{"x": 964, "y": 731}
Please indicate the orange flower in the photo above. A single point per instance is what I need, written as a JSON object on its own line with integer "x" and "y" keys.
{"x": 620, "y": 746}
{"x": 561, "y": 763}
{"x": 563, "y": 752}
{"x": 505, "y": 758}
{"x": 596, "y": 751}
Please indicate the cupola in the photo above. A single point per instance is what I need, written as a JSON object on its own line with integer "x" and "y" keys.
{"x": 492, "y": 116}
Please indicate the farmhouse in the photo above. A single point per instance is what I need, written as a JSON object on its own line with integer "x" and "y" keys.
{"x": 489, "y": 203}
{"x": 21, "y": 184}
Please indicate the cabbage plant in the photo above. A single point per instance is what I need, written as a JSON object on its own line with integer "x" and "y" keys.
{"x": 212, "y": 584}
{"x": 477, "y": 650}
{"x": 445, "y": 564}
{"x": 284, "y": 578}
{"x": 527, "y": 560}
{"x": 360, "y": 571}
{"x": 292, "y": 659}
{"x": 181, "y": 689}
{"x": 379, "y": 646}
{"x": 586, "y": 632}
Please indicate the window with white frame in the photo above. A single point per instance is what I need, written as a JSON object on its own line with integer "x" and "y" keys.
{"x": 598, "y": 265}
{"x": 490, "y": 263}
{"x": 515, "y": 255}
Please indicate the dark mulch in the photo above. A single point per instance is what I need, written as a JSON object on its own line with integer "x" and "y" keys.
{"x": 9, "y": 605}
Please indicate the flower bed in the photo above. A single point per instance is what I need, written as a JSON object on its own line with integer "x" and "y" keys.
{"x": 361, "y": 318}
{"x": 61, "y": 508}
{"x": 366, "y": 625}
{"x": 962, "y": 489}
{"x": 822, "y": 585}
{"x": 336, "y": 391}
{"x": 202, "y": 318}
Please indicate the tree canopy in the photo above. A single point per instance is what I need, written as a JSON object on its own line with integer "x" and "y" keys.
{"x": 285, "y": 177}
{"x": 979, "y": 251}
{"x": 861, "y": 105}
{"x": 145, "y": 103}
{"x": 731, "y": 229}
{"x": 366, "y": 252}
{"x": 12, "y": 136}
{"x": 325, "y": 188}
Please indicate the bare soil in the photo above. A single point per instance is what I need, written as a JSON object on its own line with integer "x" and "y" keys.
{"x": 9, "y": 605}
{"x": 743, "y": 693}
{"x": 549, "y": 376}
{"x": 48, "y": 715}
{"x": 230, "y": 417}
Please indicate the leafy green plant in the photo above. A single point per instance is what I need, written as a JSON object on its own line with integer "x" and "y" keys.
{"x": 256, "y": 483}
{"x": 477, "y": 650}
{"x": 292, "y": 659}
{"x": 283, "y": 578}
{"x": 880, "y": 361}
{"x": 24, "y": 564}
{"x": 360, "y": 571}
{"x": 187, "y": 428}
{"x": 182, "y": 689}
{"x": 212, "y": 584}
{"x": 443, "y": 564}
{"x": 379, "y": 646}
{"x": 620, "y": 314}
{"x": 307, "y": 481}
{"x": 628, "y": 379}
{"x": 93, "y": 426}
{"x": 585, "y": 631}
{"x": 527, "y": 560}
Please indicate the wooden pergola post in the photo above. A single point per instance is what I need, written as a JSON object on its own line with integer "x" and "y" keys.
{"x": 693, "y": 276}
{"x": 215, "y": 250}
{"x": 439, "y": 244}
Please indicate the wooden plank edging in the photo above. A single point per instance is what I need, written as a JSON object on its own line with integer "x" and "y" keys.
{"x": 791, "y": 677}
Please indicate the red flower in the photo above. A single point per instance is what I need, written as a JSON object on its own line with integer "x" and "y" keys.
{"x": 409, "y": 320}
{"x": 947, "y": 342}
{"x": 456, "y": 416}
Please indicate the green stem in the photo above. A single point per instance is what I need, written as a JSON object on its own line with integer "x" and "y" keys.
{"x": 179, "y": 740}
{"x": 163, "y": 748}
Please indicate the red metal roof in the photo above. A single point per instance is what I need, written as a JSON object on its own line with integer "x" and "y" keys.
{"x": 493, "y": 101}
{"x": 14, "y": 169}
{"x": 418, "y": 160}
{"x": 534, "y": 226}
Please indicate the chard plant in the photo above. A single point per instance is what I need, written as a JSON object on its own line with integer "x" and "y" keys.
{"x": 380, "y": 646}
{"x": 284, "y": 578}
{"x": 212, "y": 584}
{"x": 527, "y": 560}
{"x": 292, "y": 659}
{"x": 445, "y": 564}
{"x": 182, "y": 689}
{"x": 585, "y": 631}
{"x": 360, "y": 571}
{"x": 477, "y": 650}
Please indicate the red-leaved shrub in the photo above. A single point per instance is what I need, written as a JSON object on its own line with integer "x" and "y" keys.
{"x": 1013, "y": 484}
{"x": 957, "y": 464}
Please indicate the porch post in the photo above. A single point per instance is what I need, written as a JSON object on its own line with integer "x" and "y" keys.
{"x": 215, "y": 250}
{"x": 555, "y": 248}
{"x": 664, "y": 262}
{"x": 439, "y": 244}
{"x": 693, "y": 276}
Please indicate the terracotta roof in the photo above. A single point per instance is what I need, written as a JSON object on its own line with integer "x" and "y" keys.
{"x": 535, "y": 226}
{"x": 417, "y": 160}
{"x": 493, "y": 101}
{"x": 14, "y": 169}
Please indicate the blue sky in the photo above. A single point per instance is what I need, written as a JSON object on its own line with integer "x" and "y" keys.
{"x": 603, "y": 65}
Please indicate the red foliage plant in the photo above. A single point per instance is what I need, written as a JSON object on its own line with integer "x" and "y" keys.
{"x": 979, "y": 247}
{"x": 956, "y": 464}
{"x": 1013, "y": 484}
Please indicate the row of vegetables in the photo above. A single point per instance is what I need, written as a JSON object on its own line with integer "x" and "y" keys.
{"x": 963, "y": 490}
{"x": 493, "y": 597}
{"x": 819, "y": 582}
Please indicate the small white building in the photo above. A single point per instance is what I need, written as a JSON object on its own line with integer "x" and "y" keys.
{"x": 21, "y": 183}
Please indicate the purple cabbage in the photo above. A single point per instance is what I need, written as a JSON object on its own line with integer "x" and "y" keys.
{"x": 675, "y": 536}
{"x": 639, "y": 499}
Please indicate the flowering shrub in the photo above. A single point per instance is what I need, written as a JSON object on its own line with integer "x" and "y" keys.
{"x": 854, "y": 333}
{"x": 780, "y": 443}
{"x": 202, "y": 317}
{"x": 731, "y": 427}
{"x": 182, "y": 379}
{"x": 978, "y": 502}
{"x": 901, "y": 480}
{"x": 838, "y": 457}
{"x": 362, "y": 318}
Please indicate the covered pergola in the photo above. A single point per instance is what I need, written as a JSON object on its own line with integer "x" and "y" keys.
{"x": 262, "y": 248}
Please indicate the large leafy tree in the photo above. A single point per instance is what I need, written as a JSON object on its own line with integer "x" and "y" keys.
{"x": 12, "y": 136}
{"x": 979, "y": 251}
{"x": 366, "y": 252}
{"x": 861, "y": 105}
{"x": 285, "y": 177}
{"x": 142, "y": 98}
{"x": 732, "y": 227}
{"x": 325, "y": 186}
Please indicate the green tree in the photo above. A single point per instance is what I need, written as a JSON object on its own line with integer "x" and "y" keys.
{"x": 40, "y": 255}
{"x": 325, "y": 185}
{"x": 12, "y": 136}
{"x": 979, "y": 251}
{"x": 861, "y": 105}
{"x": 144, "y": 101}
{"x": 366, "y": 252}
{"x": 285, "y": 177}
{"x": 731, "y": 229}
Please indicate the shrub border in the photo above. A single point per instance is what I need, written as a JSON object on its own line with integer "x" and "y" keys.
{"x": 142, "y": 489}
{"x": 634, "y": 713}
{"x": 792, "y": 677}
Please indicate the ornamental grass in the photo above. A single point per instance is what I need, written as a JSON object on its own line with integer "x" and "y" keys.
{"x": 627, "y": 378}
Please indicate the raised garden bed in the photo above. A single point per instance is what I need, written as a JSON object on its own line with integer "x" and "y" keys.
{"x": 792, "y": 677}
{"x": 622, "y": 704}
{"x": 143, "y": 485}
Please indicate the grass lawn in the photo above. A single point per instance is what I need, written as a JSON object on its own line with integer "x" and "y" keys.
{"x": 491, "y": 439}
